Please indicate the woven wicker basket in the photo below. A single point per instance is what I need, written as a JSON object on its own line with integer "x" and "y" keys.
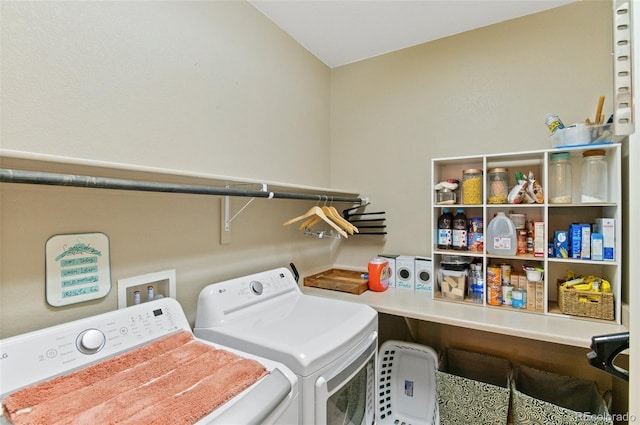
{"x": 599, "y": 306}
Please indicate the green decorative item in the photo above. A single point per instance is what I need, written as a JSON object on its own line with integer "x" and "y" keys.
{"x": 77, "y": 268}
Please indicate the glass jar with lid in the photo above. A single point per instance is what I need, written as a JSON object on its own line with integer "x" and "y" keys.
{"x": 446, "y": 196}
{"x": 594, "y": 176}
{"x": 472, "y": 186}
{"x": 498, "y": 186}
{"x": 560, "y": 178}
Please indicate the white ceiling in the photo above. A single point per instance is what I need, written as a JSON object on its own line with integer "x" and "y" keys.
{"x": 339, "y": 32}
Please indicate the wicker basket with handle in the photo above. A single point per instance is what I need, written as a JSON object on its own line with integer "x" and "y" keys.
{"x": 598, "y": 305}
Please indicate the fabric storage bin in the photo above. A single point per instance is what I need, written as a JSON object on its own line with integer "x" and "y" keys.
{"x": 540, "y": 397}
{"x": 407, "y": 384}
{"x": 473, "y": 388}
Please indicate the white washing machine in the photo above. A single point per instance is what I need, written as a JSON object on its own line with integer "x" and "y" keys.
{"x": 119, "y": 364}
{"x": 330, "y": 345}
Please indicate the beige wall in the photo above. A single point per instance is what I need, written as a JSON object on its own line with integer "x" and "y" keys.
{"x": 202, "y": 87}
{"x": 482, "y": 91}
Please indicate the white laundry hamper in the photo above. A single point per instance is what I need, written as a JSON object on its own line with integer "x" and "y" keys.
{"x": 407, "y": 384}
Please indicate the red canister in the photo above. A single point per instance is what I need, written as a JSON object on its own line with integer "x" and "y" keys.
{"x": 378, "y": 274}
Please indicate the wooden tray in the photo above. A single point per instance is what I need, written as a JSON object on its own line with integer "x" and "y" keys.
{"x": 338, "y": 280}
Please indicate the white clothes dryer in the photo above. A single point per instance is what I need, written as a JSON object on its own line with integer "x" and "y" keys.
{"x": 330, "y": 345}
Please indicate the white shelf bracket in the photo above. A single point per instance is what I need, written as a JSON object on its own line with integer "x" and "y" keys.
{"x": 227, "y": 219}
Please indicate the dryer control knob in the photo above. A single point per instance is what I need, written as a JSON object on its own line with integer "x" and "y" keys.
{"x": 256, "y": 287}
{"x": 90, "y": 341}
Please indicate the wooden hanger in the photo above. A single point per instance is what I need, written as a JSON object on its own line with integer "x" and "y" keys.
{"x": 318, "y": 213}
{"x": 313, "y": 211}
{"x": 334, "y": 215}
{"x": 310, "y": 222}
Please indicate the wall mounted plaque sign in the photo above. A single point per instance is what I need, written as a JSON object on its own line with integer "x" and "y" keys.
{"x": 77, "y": 268}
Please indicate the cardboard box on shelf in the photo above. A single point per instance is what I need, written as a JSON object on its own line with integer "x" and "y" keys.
{"x": 561, "y": 244}
{"x": 585, "y": 239}
{"x": 597, "y": 252}
{"x": 607, "y": 228}
{"x": 539, "y": 296}
{"x": 539, "y": 242}
{"x": 531, "y": 295}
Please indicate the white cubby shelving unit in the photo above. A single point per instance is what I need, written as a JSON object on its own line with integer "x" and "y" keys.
{"x": 554, "y": 216}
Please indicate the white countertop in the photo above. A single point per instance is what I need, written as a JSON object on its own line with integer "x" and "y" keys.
{"x": 551, "y": 328}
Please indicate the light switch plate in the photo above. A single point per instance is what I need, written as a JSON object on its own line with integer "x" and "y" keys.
{"x": 148, "y": 286}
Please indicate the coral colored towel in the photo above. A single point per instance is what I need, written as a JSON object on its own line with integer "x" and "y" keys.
{"x": 174, "y": 380}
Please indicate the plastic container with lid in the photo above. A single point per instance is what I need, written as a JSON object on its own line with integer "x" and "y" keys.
{"x": 498, "y": 186}
{"x": 378, "y": 269}
{"x": 560, "y": 178}
{"x": 501, "y": 237}
{"x": 453, "y": 282}
{"x": 594, "y": 176}
{"x": 472, "y": 186}
{"x": 553, "y": 122}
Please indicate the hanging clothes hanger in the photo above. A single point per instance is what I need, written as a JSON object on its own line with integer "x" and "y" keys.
{"x": 331, "y": 214}
{"x": 372, "y": 222}
{"x": 318, "y": 213}
{"x": 334, "y": 215}
{"x": 311, "y": 221}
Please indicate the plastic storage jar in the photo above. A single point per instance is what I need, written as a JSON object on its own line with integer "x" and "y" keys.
{"x": 594, "y": 176}
{"x": 498, "y": 186}
{"x": 472, "y": 186}
{"x": 560, "y": 178}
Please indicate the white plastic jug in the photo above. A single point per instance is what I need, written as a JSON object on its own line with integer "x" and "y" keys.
{"x": 501, "y": 238}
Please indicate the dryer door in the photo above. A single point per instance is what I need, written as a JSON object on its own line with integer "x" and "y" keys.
{"x": 345, "y": 393}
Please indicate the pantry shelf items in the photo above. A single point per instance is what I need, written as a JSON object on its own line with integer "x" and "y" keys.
{"x": 509, "y": 235}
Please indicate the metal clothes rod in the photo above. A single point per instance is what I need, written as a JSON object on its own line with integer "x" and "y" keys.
{"x": 55, "y": 179}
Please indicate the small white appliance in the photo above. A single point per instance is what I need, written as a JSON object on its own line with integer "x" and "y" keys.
{"x": 330, "y": 345}
{"x": 405, "y": 272}
{"x": 59, "y": 350}
{"x": 424, "y": 274}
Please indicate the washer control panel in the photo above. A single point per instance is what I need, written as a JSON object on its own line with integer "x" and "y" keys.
{"x": 48, "y": 352}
